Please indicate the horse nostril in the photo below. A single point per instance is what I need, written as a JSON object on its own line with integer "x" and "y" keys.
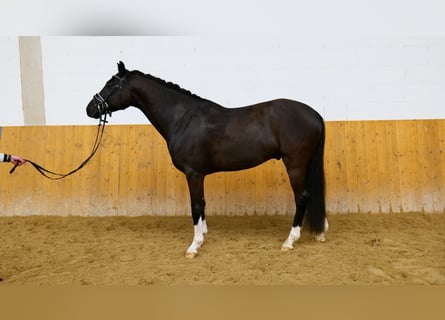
{"x": 92, "y": 112}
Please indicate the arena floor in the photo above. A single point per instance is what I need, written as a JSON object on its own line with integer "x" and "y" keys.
{"x": 360, "y": 249}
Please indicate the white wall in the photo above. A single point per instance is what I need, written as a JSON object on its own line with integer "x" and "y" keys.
{"x": 315, "y": 18}
{"x": 344, "y": 78}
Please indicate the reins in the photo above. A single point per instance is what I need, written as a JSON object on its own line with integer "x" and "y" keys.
{"x": 57, "y": 176}
{"x": 103, "y": 110}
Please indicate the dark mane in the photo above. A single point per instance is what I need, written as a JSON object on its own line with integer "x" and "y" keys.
{"x": 173, "y": 86}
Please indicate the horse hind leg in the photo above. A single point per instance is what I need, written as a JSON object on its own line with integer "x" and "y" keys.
{"x": 321, "y": 236}
{"x": 295, "y": 171}
{"x": 295, "y": 231}
{"x": 203, "y": 218}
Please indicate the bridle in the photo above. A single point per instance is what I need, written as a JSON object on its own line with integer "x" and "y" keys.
{"x": 104, "y": 110}
{"x": 101, "y": 102}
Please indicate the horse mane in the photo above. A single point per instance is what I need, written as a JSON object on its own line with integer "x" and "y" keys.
{"x": 172, "y": 86}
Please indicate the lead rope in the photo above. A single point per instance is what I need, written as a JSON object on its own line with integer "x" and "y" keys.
{"x": 57, "y": 176}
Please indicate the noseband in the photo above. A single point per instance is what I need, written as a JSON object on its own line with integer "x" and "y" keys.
{"x": 101, "y": 103}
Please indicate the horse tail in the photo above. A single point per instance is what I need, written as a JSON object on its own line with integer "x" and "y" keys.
{"x": 315, "y": 184}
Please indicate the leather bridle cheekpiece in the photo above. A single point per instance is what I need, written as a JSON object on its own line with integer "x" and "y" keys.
{"x": 101, "y": 103}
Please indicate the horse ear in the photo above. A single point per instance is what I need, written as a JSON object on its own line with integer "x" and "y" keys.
{"x": 121, "y": 68}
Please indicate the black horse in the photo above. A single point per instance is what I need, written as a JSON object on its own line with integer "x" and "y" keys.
{"x": 204, "y": 137}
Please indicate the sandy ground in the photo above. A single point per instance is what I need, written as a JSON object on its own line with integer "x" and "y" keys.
{"x": 360, "y": 249}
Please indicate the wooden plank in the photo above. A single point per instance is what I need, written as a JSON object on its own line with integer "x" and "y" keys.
{"x": 182, "y": 195}
{"x": 272, "y": 181}
{"x": 247, "y": 193}
{"x": 372, "y": 163}
{"x": 440, "y": 193}
{"x": 434, "y": 167}
{"x": 68, "y": 165}
{"x": 351, "y": 167}
{"x": 424, "y": 136}
{"x": 341, "y": 167}
{"x": 76, "y": 160}
{"x": 386, "y": 166}
{"x": 232, "y": 192}
{"x": 249, "y": 205}
{"x": 134, "y": 204}
{"x": 286, "y": 195}
{"x": 409, "y": 164}
{"x": 89, "y": 174}
{"x": 54, "y": 159}
{"x": 146, "y": 149}
{"x": 121, "y": 202}
{"x": 31, "y": 203}
{"x": 414, "y": 167}
{"x": 214, "y": 189}
{"x": 362, "y": 169}
{"x": 430, "y": 178}
{"x": 267, "y": 185}
{"x": 105, "y": 168}
{"x": 161, "y": 158}
{"x": 403, "y": 154}
{"x": 114, "y": 166}
{"x": 437, "y": 179}
{"x": 264, "y": 191}
{"x": 382, "y": 174}
{"x": 260, "y": 190}
{"x": 330, "y": 169}
{"x": 145, "y": 141}
{"x": 8, "y": 184}
{"x": 392, "y": 168}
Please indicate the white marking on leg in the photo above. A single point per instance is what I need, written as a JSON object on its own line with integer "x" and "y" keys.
{"x": 204, "y": 227}
{"x": 198, "y": 240}
{"x": 321, "y": 236}
{"x": 294, "y": 235}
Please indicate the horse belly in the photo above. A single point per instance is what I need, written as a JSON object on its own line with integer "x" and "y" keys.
{"x": 242, "y": 154}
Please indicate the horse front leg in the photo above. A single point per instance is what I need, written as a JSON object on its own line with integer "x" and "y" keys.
{"x": 196, "y": 188}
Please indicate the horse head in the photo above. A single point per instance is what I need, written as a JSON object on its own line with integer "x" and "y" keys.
{"x": 115, "y": 95}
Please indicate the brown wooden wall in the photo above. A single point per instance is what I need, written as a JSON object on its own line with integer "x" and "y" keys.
{"x": 370, "y": 166}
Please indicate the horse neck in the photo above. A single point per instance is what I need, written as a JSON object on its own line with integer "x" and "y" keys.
{"x": 163, "y": 107}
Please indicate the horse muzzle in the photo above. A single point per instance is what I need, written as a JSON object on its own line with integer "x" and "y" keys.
{"x": 92, "y": 110}
{"x": 98, "y": 107}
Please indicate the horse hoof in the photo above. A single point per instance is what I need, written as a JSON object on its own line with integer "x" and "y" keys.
{"x": 191, "y": 255}
{"x": 286, "y": 249}
{"x": 320, "y": 237}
